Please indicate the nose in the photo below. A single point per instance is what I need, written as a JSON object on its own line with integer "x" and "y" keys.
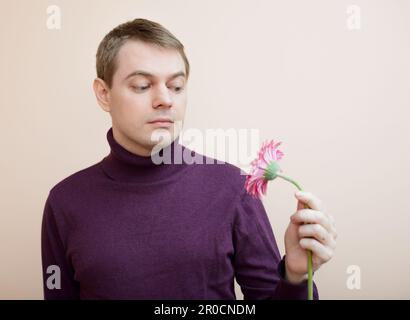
{"x": 162, "y": 98}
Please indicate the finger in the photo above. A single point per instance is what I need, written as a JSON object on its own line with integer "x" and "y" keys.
{"x": 319, "y": 233}
{"x": 323, "y": 252}
{"x": 316, "y": 231}
{"x": 332, "y": 225}
{"x": 311, "y": 200}
{"x": 311, "y": 216}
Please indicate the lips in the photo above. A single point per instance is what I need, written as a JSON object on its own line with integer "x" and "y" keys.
{"x": 161, "y": 120}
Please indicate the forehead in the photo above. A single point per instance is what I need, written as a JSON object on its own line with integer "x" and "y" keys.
{"x": 137, "y": 55}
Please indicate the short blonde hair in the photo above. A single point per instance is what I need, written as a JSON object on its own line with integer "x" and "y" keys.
{"x": 138, "y": 29}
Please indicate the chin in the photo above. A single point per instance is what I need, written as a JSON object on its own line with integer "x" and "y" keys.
{"x": 161, "y": 136}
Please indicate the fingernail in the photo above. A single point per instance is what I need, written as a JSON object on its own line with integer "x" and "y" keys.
{"x": 299, "y": 193}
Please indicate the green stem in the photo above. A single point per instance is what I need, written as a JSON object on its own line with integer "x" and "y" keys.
{"x": 309, "y": 252}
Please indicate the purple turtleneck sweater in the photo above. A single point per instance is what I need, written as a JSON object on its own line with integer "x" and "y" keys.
{"x": 127, "y": 228}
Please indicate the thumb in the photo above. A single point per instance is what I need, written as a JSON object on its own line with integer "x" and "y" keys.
{"x": 301, "y": 205}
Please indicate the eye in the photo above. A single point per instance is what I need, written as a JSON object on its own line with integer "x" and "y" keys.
{"x": 140, "y": 88}
{"x": 178, "y": 89}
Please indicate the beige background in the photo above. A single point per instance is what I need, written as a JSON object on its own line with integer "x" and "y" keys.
{"x": 338, "y": 99}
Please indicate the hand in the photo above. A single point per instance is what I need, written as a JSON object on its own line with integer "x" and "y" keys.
{"x": 318, "y": 235}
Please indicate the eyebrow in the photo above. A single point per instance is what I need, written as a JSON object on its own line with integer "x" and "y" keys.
{"x": 150, "y": 75}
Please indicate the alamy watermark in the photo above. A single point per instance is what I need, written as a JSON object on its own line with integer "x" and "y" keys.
{"x": 54, "y": 280}
{"x": 53, "y": 21}
{"x": 353, "y": 20}
{"x": 353, "y": 281}
{"x": 237, "y": 146}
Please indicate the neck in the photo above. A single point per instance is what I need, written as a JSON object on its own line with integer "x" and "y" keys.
{"x": 125, "y": 166}
{"x": 129, "y": 145}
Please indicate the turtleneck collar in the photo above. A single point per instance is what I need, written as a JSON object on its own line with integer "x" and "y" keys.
{"x": 124, "y": 166}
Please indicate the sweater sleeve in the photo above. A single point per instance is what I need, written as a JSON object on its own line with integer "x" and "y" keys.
{"x": 259, "y": 268}
{"x": 58, "y": 273}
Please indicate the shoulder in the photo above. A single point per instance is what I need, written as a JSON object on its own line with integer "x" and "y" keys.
{"x": 225, "y": 175}
{"x": 71, "y": 186}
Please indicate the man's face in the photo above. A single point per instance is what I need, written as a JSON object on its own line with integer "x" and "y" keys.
{"x": 149, "y": 83}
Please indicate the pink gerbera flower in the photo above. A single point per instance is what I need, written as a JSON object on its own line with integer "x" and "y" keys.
{"x": 264, "y": 168}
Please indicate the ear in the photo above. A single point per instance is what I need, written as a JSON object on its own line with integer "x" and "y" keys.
{"x": 102, "y": 93}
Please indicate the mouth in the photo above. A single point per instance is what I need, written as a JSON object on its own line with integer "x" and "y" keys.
{"x": 161, "y": 122}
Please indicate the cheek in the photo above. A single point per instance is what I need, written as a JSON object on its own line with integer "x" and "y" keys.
{"x": 130, "y": 106}
{"x": 180, "y": 104}
{"x": 126, "y": 97}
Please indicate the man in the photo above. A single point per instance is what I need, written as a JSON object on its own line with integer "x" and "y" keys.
{"x": 129, "y": 227}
